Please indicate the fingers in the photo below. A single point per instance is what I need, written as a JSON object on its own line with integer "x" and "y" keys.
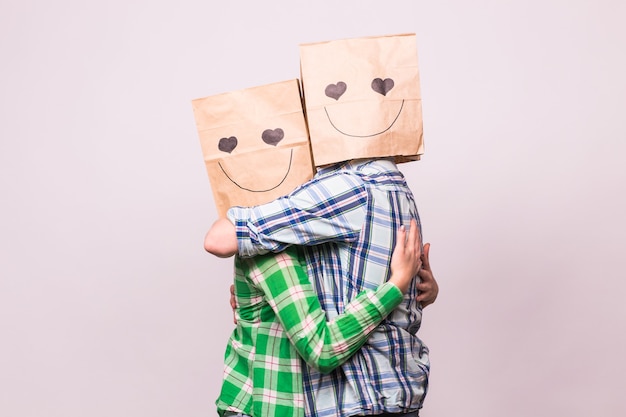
{"x": 424, "y": 303}
{"x": 425, "y": 260}
{"x": 233, "y": 302}
{"x": 428, "y": 288}
{"x": 426, "y": 297}
{"x": 427, "y": 280}
{"x": 413, "y": 241}
{"x": 401, "y": 240}
{"x": 414, "y": 245}
{"x": 414, "y": 238}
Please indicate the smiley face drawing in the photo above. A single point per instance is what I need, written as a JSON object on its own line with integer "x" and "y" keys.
{"x": 255, "y": 143}
{"x": 379, "y": 86}
{"x": 269, "y": 136}
{"x": 362, "y": 98}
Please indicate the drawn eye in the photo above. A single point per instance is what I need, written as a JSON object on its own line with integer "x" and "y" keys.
{"x": 227, "y": 144}
{"x": 272, "y": 137}
{"x": 382, "y": 86}
{"x": 335, "y": 90}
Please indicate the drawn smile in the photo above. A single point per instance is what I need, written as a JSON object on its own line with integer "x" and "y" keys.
{"x": 369, "y": 135}
{"x": 261, "y": 190}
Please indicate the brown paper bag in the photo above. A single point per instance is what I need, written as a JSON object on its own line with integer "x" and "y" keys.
{"x": 255, "y": 143}
{"x": 362, "y": 98}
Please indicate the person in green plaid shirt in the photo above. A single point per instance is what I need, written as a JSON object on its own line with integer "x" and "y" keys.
{"x": 279, "y": 320}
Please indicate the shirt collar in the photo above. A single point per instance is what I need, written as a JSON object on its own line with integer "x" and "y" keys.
{"x": 357, "y": 164}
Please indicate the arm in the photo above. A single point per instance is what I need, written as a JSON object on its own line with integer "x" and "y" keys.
{"x": 428, "y": 288}
{"x": 221, "y": 239}
{"x": 326, "y": 345}
{"x": 322, "y": 210}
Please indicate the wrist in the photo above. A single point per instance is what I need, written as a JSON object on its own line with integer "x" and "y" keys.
{"x": 401, "y": 284}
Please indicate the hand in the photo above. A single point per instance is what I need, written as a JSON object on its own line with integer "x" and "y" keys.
{"x": 233, "y": 303}
{"x": 428, "y": 288}
{"x": 406, "y": 258}
{"x": 221, "y": 239}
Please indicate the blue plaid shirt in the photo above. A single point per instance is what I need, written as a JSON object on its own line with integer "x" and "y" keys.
{"x": 347, "y": 217}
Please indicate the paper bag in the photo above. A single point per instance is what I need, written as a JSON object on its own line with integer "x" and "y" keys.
{"x": 362, "y": 98}
{"x": 255, "y": 143}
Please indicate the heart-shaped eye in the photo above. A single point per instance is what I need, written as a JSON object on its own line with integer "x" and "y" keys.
{"x": 227, "y": 144}
{"x": 335, "y": 90}
{"x": 272, "y": 137}
{"x": 382, "y": 86}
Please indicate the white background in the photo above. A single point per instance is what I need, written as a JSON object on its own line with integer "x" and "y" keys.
{"x": 109, "y": 305}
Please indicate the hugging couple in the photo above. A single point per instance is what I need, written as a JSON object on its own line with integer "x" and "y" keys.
{"x": 330, "y": 272}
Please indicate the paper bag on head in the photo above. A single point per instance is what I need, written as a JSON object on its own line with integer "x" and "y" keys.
{"x": 362, "y": 98}
{"x": 255, "y": 143}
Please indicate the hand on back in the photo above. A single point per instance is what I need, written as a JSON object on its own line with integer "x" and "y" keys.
{"x": 406, "y": 259}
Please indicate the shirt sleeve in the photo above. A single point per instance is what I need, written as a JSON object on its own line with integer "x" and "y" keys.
{"x": 323, "y": 345}
{"x": 328, "y": 208}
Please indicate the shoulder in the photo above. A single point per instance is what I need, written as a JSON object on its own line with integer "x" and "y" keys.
{"x": 332, "y": 183}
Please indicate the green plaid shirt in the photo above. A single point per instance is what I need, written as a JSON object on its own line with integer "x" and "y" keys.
{"x": 279, "y": 320}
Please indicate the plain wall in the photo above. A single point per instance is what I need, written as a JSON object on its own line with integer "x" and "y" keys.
{"x": 110, "y": 307}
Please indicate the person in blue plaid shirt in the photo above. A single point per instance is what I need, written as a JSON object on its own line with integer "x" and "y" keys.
{"x": 279, "y": 320}
{"x": 346, "y": 219}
